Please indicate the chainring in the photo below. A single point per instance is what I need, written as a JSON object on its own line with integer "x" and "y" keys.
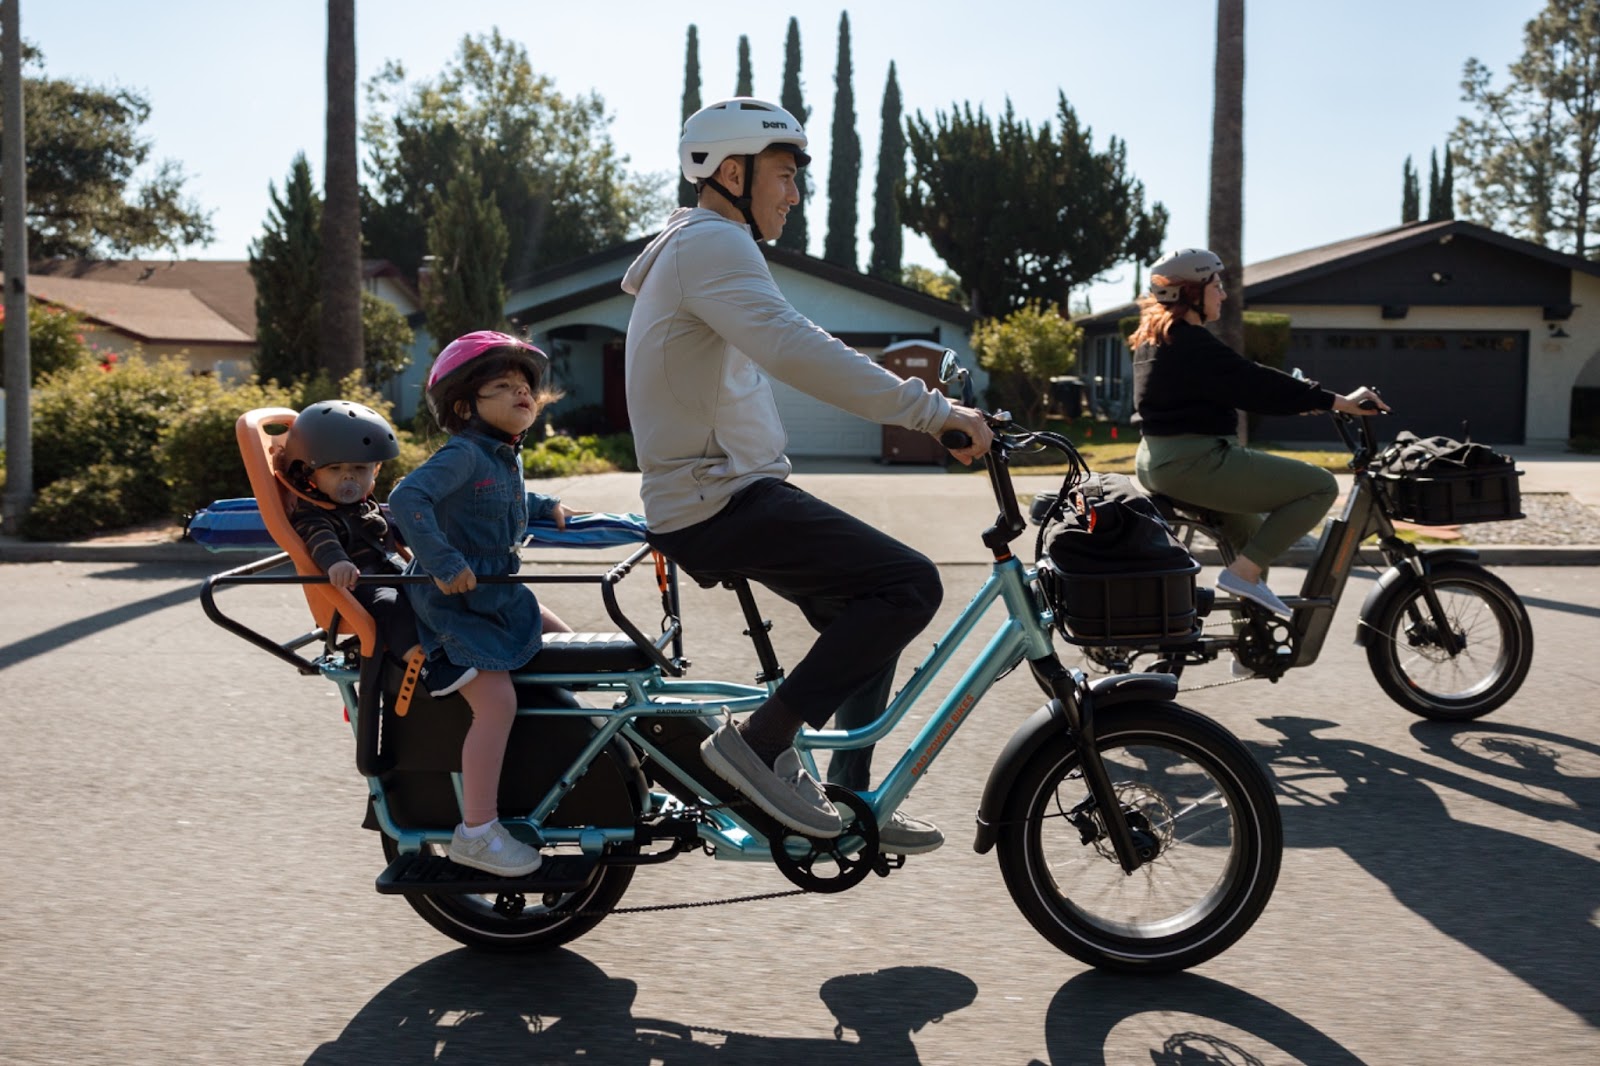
{"x": 850, "y": 855}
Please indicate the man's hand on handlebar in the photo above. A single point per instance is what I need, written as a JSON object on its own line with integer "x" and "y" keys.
{"x": 971, "y": 422}
{"x": 1356, "y": 402}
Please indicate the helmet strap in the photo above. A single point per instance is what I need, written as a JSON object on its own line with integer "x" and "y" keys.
{"x": 741, "y": 202}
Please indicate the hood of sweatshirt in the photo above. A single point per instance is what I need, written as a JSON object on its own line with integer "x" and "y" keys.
{"x": 680, "y": 219}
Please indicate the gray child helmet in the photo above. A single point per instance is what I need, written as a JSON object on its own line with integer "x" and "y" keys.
{"x": 1189, "y": 266}
{"x": 335, "y": 431}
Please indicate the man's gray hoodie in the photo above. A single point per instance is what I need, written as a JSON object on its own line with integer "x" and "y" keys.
{"x": 708, "y": 327}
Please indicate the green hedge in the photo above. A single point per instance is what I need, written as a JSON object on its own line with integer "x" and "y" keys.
{"x": 562, "y": 456}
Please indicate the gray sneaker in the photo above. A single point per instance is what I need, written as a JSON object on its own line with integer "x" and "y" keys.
{"x": 496, "y": 852}
{"x": 905, "y": 835}
{"x": 1254, "y": 591}
{"x": 789, "y": 794}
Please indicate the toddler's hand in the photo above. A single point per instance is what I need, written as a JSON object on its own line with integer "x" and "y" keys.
{"x": 563, "y": 512}
{"x": 465, "y": 581}
{"x": 343, "y": 574}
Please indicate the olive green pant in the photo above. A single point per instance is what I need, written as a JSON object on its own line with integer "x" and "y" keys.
{"x": 1264, "y": 502}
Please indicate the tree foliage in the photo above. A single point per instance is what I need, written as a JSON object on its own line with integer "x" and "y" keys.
{"x": 468, "y": 242}
{"x": 55, "y": 341}
{"x": 1530, "y": 152}
{"x": 1022, "y": 352}
{"x": 940, "y": 284}
{"x": 794, "y": 234}
{"x": 844, "y": 161}
{"x": 1022, "y": 214}
{"x": 547, "y": 160}
{"x": 92, "y": 187}
{"x": 1410, "y": 194}
{"x": 286, "y": 263}
{"x": 888, "y": 243}
{"x": 687, "y": 197}
{"x": 746, "y": 85}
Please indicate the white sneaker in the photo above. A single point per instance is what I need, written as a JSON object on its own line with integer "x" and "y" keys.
{"x": 495, "y": 852}
{"x": 1254, "y": 591}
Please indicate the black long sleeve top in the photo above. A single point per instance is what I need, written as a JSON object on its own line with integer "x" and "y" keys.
{"x": 1196, "y": 384}
{"x": 356, "y": 533}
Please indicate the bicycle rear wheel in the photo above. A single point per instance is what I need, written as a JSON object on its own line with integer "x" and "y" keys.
{"x": 1183, "y": 780}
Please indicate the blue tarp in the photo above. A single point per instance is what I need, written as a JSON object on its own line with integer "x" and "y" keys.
{"x": 236, "y": 525}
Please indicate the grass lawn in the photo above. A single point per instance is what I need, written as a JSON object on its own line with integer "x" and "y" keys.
{"x": 1116, "y": 457}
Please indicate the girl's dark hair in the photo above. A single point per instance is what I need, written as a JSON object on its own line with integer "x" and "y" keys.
{"x": 465, "y": 383}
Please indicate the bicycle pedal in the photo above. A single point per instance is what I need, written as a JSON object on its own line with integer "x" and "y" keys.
{"x": 883, "y": 865}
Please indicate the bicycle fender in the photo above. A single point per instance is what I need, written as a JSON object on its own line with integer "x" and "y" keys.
{"x": 1044, "y": 725}
{"x": 1398, "y": 579}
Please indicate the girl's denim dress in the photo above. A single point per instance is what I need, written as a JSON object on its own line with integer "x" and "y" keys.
{"x": 467, "y": 507}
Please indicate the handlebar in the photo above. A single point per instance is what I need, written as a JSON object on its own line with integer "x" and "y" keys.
{"x": 1363, "y": 452}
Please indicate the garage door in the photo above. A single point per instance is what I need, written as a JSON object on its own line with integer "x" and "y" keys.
{"x": 1437, "y": 381}
{"x": 817, "y": 428}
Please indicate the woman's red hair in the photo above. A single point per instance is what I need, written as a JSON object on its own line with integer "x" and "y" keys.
{"x": 1156, "y": 319}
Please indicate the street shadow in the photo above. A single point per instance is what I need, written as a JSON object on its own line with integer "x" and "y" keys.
{"x": 559, "y": 1007}
{"x": 1523, "y": 904}
{"x": 94, "y": 624}
{"x": 1234, "y": 1028}
{"x": 1557, "y": 776}
{"x": 1562, "y": 606}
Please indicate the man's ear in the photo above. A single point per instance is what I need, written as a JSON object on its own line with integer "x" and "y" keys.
{"x": 730, "y": 172}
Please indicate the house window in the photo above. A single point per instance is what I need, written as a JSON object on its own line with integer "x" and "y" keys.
{"x": 1108, "y": 373}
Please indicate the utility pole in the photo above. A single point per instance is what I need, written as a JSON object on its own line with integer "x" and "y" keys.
{"x": 14, "y": 183}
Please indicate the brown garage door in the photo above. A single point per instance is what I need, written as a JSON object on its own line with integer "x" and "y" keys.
{"x": 1435, "y": 380}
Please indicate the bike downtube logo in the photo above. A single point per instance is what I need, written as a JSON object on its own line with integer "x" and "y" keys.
{"x": 944, "y": 734}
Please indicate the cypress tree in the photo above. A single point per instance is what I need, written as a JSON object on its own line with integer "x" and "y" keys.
{"x": 687, "y": 197}
{"x": 468, "y": 241}
{"x": 746, "y": 86}
{"x": 887, "y": 239}
{"x": 1447, "y": 187}
{"x": 1410, "y": 195}
{"x": 1435, "y": 212}
{"x": 285, "y": 262}
{"x": 844, "y": 166}
{"x": 794, "y": 232}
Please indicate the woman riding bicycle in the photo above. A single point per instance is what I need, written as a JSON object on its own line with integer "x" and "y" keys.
{"x": 1188, "y": 389}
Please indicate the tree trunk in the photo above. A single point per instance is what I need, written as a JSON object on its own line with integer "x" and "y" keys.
{"x": 341, "y": 212}
{"x": 1226, "y": 225}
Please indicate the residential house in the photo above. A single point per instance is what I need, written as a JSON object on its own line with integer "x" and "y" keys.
{"x": 1465, "y": 331}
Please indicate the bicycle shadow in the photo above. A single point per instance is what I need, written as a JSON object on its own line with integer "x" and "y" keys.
{"x": 1523, "y": 904}
{"x": 559, "y": 1007}
{"x": 1559, "y": 773}
{"x": 1238, "y": 1027}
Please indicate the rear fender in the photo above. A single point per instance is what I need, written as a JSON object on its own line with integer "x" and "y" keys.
{"x": 1047, "y": 723}
{"x": 1398, "y": 580}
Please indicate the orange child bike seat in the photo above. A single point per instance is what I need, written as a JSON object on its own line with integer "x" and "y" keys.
{"x": 261, "y": 432}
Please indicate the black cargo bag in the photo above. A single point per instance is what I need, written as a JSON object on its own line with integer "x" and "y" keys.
{"x": 1110, "y": 568}
{"x": 1439, "y": 481}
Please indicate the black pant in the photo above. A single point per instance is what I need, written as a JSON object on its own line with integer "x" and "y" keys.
{"x": 866, "y": 593}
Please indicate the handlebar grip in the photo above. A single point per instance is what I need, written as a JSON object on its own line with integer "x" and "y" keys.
{"x": 1368, "y": 405}
{"x": 955, "y": 439}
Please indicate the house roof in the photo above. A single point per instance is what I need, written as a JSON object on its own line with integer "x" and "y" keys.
{"x": 224, "y": 286}
{"x": 1269, "y": 275}
{"x": 899, "y": 295}
{"x": 153, "y": 315}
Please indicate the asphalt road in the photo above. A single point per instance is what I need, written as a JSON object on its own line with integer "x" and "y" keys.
{"x": 187, "y": 879}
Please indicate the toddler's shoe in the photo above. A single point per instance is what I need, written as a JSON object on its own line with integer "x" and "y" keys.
{"x": 441, "y": 677}
{"x": 1254, "y": 591}
{"x": 495, "y": 851}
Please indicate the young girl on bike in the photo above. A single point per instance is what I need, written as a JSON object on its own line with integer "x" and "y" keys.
{"x": 464, "y": 513}
{"x": 1188, "y": 389}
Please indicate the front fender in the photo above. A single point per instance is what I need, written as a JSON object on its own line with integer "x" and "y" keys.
{"x": 1397, "y": 579}
{"x": 1044, "y": 725}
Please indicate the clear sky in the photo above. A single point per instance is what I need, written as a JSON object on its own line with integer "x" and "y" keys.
{"x": 1337, "y": 93}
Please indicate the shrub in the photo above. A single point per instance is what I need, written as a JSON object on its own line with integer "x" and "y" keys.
{"x": 55, "y": 342}
{"x": 1022, "y": 352}
{"x": 101, "y": 496}
{"x": 561, "y": 456}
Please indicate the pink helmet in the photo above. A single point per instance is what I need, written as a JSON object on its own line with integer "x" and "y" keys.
{"x": 464, "y": 354}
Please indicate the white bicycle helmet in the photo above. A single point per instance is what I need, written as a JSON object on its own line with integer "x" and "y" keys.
{"x": 740, "y": 126}
{"x": 1189, "y": 266}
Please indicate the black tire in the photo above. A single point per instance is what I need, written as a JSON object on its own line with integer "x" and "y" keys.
{"x": 473, "y": 921}
{"x": 1203, "y": 796}
{"x": 1414, "y": 669}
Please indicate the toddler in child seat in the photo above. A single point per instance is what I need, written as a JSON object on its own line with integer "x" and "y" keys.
{"x": 463, "y": 513}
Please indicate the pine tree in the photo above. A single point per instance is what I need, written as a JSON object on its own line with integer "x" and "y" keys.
{"x": 285, "y": 262}
{"x": 792, "y": 101}
{"x": 747, "y": 85}
{"x": 1410, "y": 194}
{"x": 468, "y": 241}
{"x": 1435, "y": 187}
{"x": 687, "y": 197}
{"x": 844, "y": 165}
{"x": 887, "y": 240}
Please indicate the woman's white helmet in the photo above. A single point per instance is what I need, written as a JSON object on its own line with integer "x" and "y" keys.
{"x": 1189, "y": 266}
{"x": 740, "y": 126}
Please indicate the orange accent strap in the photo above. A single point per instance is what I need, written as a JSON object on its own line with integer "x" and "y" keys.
{"x": 408, "y": 683}
{"x": 661, "y": 571}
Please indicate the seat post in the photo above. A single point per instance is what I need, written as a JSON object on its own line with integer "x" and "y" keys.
{"x": 759, "y": 628}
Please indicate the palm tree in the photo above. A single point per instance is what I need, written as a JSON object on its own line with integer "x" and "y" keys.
{"x": 1226, "y": 224}
{"x": 341, "y": 210}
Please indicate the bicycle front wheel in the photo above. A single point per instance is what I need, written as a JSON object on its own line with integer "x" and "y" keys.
{"x": 1184, "y": 782}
